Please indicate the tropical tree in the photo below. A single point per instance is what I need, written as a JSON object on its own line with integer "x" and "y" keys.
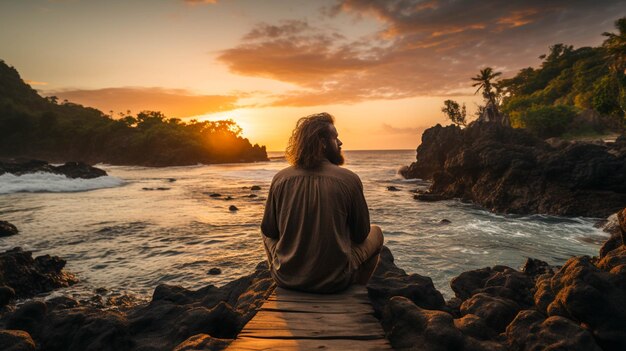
{"x": 615, "y": 45}
{"x": 491, "y": 91}
{"x": 455, "y": 112}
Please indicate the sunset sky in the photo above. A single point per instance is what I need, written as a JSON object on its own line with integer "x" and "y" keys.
{"x": 382, "y": 68}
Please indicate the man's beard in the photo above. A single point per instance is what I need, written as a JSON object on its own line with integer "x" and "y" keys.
{"x": 334, "y": 155}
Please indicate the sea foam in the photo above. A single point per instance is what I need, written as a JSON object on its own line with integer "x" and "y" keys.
{"x": 41, "y": 182}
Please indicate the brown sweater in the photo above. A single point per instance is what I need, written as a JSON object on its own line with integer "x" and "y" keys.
{"x": 315, "y": 215}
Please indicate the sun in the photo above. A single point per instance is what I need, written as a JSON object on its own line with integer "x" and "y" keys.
{"x": 240, "y": 116}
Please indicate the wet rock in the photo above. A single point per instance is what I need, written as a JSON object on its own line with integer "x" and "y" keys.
{"x": 388, "y": 280}
{"x": 203, "y": 342}
{"x": 474, "y": 326}
{"x": 28, "y": 276}
{"x": 255, "y": 187}
{"x": 392, "y": 188}
{"x": 430, "y": 197}
{"x": 215, "y": 195}
{"x": 215, "y": 271}
{"x": 101, "y": 291}
{"x": 530, "y": 330}
{"x": 227, "y": 198}
{"x": 6, "y": 295}
{"x": 158, "y": 189}
{"x": 535, "y": 267}
{"x": 499, "y": 281}
{"x": 251, "y": 195}
{"x": 16, "y": 340}
{"x": 410, "y": 327}
{"x": 171, "y": 180}
{"x": 233, "y": 208}
{"x": 28, "y": 317}
{"x": 7, "y": 229}
{"x": 80, "y": 170}
{"x": 621, "y": 216}
{"x": 60, "y": 303}
{"x": 445, "y": 221}
{"x": 69, "y": 169}
{"x": 590, "y": 295}
{"x": 510, "y": 171}
{"x": 496, "y": 312}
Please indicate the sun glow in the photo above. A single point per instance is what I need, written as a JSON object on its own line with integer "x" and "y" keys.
{"x": 240, "y": 116}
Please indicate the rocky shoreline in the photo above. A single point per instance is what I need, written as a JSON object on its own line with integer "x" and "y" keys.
{"x": 69, "y": 169}
{"x": 578, "y": 306}
{"x": 509, "y": 170}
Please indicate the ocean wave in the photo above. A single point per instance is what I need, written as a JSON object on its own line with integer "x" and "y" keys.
{"x": 41, "y": 182}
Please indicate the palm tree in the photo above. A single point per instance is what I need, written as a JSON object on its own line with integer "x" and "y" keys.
{"x": 615, "y": 45}
{"x": 485, "y": 82}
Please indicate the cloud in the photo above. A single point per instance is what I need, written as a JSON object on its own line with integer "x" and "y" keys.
{"x": 200, "y": 2}
{"x": 34, "y": 82}
{"x": 421, "y": 48}
{"x": 172, "y": 102}
{"x": 388, "y": 129}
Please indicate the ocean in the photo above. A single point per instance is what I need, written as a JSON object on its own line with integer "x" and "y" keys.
{"x": 140, "y": 227}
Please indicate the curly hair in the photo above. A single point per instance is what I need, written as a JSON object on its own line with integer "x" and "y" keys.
{"x": 306, "y": 144}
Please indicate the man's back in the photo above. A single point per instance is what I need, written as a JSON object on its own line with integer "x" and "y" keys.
{"x": 313, "y": 217}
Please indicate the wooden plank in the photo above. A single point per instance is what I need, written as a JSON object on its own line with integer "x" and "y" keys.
{"x": 249, "y": 344}
{"x": 292, "y": 320}
{"x": 315, "y": 307}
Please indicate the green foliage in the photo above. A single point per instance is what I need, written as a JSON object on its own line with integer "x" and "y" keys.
{"x": 454, "y": 112}
{"x": 584, "y": 79}
{"x": 546, "y": 121}
{"x": 32, "y": 126}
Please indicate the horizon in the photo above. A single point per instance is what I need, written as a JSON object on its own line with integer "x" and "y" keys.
{"x": 383, "y": 69}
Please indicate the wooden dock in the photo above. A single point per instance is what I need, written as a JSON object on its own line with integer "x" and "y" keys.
{"x": 291, "y": 320}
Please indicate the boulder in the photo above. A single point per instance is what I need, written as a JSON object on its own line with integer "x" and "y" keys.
{"x": 508, "y": 170}
{"x": 69, "y": 169}
{"x": 388, "y": 280}
{"x": 499, "y": 281}
{"x": 203, "y": 342}
{"x": 28, "y": 276}
{"x": 530, "y": 330}
{"x": 495, "y": 312}
{"x": 7, "y": 229}
{"x": 16, "y": 340}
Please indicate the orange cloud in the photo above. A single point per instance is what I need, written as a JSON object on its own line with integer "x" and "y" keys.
{"x": 34, "y": 82}
{"x": 172, "y": 102}
{"x": 199, "y": 2}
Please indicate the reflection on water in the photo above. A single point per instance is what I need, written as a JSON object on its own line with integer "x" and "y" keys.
{"x": 125, "y": 238}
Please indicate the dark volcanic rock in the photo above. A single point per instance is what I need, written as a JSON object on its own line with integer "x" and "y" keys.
{"x": 388, "y": 280}
{"x": 533, "y": 331}
{"x": 495, "y": 312}
{"x": 16, "y": 340}
{"x": 414, "y": 328}
{"x": 499, "y": 281}
{"x": 204, "y": 318}
{"x": 233, "y": 208}
{"x": 215, "y": 271}
{"x": 28, "y": 276}
{"x": 6, "y": 295}
{"x": 255, "y": 187}
{"x": 69, "y": 169}
{"x": 392, "y": 188}
{"x": 7, "y": 229}
{"x": 509, "y": 170}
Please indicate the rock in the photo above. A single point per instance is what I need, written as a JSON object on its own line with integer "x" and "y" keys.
{"x": 497, "y": 281}
{"x": 28, "y": 317}
{"x": 162, "y": 188}
{"x": 445, "y": 221}
{"x": 28, "y": 276}
{"x": 392, "y": 188}
{"x": 410, "y": 327}
{"x": 388, "y": 280}
{"x": 255, "y": 187}
{"x": 60, "y": 303}
{"x": 215, "y": 271}
{"x": 69, "y": 169}
{"x": 621, "y": 215}
{"x": 530, "y": 330}
{"x": 508, "y": 170}
{"x": 16, "y": 340}
{"x": 80, "y": 170}
{"x": 474, "y": 326}
{"x": 171, "y": 180}
{"x": 233, "y": 208}
{"x": 429, "y": 197}
{"x": 590, "y": 294}
{"x": 7, "y": 229}
{"x": 496, "y": 312}
{"x": 535, "y": 267}
{"x": 6, "y": 295}
{"x": 227, "y": 198}
{"x": 251, "y": 195}
{"x": 215, "y": 195}
{"x": 203, "y": 342}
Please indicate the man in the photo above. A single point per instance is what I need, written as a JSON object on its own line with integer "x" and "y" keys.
{"x": 316, "y": 227}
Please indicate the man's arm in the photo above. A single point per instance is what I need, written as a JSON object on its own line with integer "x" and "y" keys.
{"x": 358, "y": 215}
{"x": 269, "y": 224}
